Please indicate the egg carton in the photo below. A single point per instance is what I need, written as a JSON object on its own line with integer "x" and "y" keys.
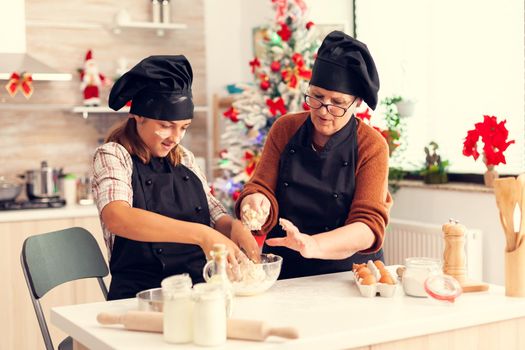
{"x": 371, "y": 290}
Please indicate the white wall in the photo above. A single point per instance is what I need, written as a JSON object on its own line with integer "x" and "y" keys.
{"x": 472, "y": 209}
{"x": 12, "y": 26}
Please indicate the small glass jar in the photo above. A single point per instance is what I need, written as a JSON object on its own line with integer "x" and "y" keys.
{"x": 209, "y": 315}
{"x": 416, "y": 273}
{"x": 178, "y": 309}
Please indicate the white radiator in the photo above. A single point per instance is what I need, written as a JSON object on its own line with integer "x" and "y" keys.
{"x": 405, "y": 239}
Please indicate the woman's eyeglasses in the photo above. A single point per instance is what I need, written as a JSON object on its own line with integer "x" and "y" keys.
{"x": 334, "y": 110}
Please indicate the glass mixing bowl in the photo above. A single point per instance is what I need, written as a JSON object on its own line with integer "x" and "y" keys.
{"x": 258, "y": 278}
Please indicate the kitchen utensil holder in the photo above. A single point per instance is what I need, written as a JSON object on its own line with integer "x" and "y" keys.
{"x": 515, "y": 272}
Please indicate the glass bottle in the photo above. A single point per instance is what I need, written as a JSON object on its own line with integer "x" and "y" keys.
{"x": 166, "y": 13}
{"x": 177, "y": 309}
{"x": 155, "y": 11}
{"x": 215, "y": 273}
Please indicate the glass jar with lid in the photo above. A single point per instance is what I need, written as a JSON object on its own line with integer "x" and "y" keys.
{"x": 178, "y": 309}
{"x": 417, "y": 271}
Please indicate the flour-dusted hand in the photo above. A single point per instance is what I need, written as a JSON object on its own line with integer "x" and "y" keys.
{"x": 255, "y": 209}
{"x": 305, "y": 244}
{"x": 243, "y": 237}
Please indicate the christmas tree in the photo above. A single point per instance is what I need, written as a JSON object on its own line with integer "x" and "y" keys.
{"x": 281, "y": 74}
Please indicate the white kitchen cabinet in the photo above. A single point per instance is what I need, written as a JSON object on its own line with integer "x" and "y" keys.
{"x": 19, "y": 324}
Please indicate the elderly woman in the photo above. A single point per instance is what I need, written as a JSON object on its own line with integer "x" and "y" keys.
{"x": 157, "y": 213}
{"x": 323, "y": 171}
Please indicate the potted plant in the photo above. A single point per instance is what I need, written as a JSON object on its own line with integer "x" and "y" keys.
{"x": 435, "y": 170}
{"x": 494, "y": 136}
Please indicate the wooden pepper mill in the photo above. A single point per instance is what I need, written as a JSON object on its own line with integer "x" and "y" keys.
{"x": 454, "y": 254}
{"x": 454, "y": 260}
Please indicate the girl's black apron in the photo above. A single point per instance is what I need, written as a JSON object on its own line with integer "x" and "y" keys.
{"x": 173, "y": 191}
{"x": 315, "y": 191}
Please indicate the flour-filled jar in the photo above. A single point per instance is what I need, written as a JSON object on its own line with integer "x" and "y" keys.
{"x": 416, "y": 273}
{"x": 209, "y": 315}
{"x": 178, "y": 309}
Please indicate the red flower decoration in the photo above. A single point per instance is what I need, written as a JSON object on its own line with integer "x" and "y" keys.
{"x": 285, "y": 33}
{"x": 232, "y": 114}
{"x": 494, "y": 137}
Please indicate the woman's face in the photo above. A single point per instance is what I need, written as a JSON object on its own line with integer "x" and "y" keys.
{"x": 325, "y": 123}
{"x": 161, "y": 136}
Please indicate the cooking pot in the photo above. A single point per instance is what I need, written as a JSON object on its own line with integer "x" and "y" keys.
{"x": 43, "y": 183}
{"x": 9, "y": 190}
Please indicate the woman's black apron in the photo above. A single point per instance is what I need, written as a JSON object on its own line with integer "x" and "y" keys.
{"x": 173, "y": 191}
{"x": 315, "y": 191}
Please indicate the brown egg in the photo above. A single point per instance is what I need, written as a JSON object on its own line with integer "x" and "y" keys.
{"x": 379, "y": 264}
{"x": 356, "y": 267}
{"x": 363, "y": 270}
{"x": 385, "y": 278}
{"x": 368, "y": 280}
{"x": 364, "y": 273}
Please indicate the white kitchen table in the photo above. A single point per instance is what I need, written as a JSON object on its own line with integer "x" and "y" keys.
{"x": 330, "y": 314}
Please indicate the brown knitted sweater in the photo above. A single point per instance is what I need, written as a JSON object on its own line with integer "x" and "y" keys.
{"x": 372, "y": 201}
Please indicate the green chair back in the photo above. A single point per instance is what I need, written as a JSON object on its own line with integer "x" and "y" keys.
{"x": 53, "y": 258}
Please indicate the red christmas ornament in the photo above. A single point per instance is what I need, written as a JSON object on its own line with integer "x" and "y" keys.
{"x": 236, "y": 195}
{"x": 275, "y": 66}
{"x": 285, "y": 33}
{"x": 309, "y": 25}
{"x": 265, "y": 84}
{"x": 232, "y": 114}
{"x": 364, "y": 115}
{"x": 306, "y": 107}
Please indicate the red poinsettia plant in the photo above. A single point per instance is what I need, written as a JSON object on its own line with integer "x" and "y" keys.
{"x": 494, "y": 136}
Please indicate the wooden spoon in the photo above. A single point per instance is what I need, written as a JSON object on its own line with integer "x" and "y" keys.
{"x": 506, "y": 191}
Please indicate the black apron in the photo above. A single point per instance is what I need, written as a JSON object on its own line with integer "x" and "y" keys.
{"x": 173, "y": 191}
{"x": 315, "y": 191}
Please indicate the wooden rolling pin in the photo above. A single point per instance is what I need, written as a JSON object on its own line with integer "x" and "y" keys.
{"x": 147, "y": 321}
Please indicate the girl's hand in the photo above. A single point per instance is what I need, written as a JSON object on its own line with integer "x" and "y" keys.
{"x": 212, "y": 237}
{"x": 243, "y": 237}
{"x": 305, "y": 244}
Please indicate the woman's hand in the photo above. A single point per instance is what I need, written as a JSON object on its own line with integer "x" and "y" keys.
{"x": 243, "y": 237}
{"x": 305, "y": 244}
{"x": 255, "y": 209}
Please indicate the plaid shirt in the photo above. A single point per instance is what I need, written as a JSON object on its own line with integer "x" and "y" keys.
{"x": 112, "y": 168}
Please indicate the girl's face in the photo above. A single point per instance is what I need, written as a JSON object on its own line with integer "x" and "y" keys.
{"x": 325, "y": 123}
{"x": 161, "y": 136}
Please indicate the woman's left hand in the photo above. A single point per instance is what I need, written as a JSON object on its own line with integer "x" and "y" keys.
{"x": 243, "y": 237}
{"x": 305, "y": 244}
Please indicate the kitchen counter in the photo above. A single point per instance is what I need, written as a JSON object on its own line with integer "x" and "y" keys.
{"x": 69, "y": 211}
{"x": 330, "y": 314}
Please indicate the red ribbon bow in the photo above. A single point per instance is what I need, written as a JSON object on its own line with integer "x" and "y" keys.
{"x": 232, "y": 114}
{"x": 276, "y": 106}
{"x": 254, "y": 64}
{"x": 21, "y": 82}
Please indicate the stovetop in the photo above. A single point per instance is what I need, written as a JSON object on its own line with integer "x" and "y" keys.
{"x": 33, "y": 204}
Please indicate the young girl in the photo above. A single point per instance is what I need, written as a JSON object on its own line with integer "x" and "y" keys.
{"x": 156, "y": 210}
